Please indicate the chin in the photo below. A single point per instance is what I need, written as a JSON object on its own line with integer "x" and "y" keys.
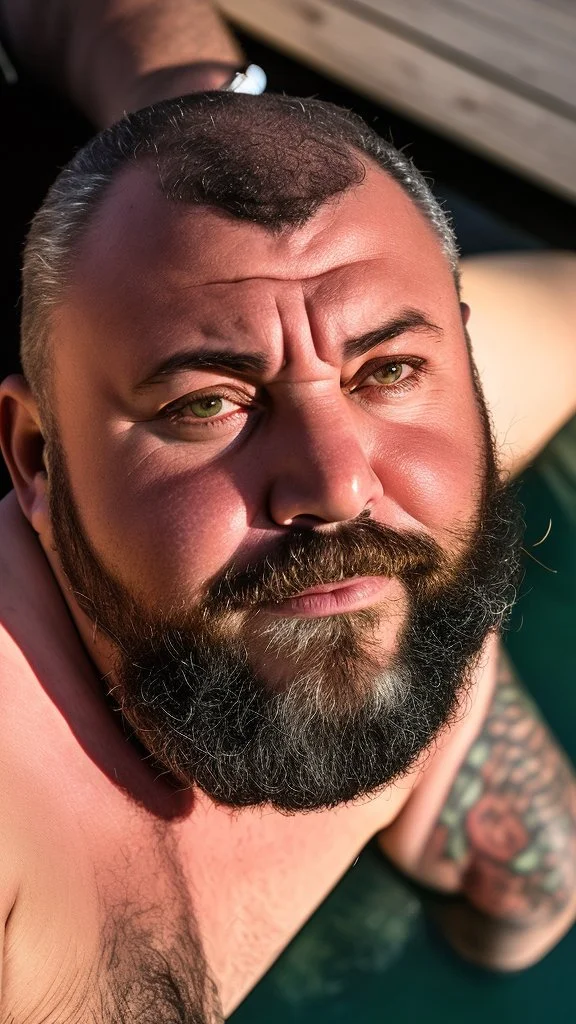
{"x": 327, "y": 662}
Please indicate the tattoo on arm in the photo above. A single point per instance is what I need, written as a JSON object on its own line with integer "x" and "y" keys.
{"x": 509, "y": 822}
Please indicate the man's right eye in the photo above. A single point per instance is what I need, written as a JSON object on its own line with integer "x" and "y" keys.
{"x": 208, "y": 407}
{"x": 209, "y": 410}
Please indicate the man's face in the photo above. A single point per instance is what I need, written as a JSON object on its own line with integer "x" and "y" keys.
{"x": 243, "y": 416}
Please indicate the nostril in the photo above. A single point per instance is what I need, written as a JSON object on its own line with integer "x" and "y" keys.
{"x": 307, "y": 522}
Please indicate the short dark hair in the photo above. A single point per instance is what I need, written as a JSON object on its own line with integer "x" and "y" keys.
{"x": 271, "y": 160}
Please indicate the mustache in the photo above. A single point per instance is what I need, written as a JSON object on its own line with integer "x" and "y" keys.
{"x": 309, "y": 558}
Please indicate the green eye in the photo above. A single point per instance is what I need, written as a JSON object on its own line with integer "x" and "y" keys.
{"x": 211, "y": 405}
{"x": 389, "y": 374}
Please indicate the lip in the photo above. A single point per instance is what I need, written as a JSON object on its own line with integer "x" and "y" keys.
{"x": 334, "y": 598}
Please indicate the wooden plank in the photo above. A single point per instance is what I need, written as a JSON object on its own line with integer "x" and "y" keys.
{"x": 518, "y": 40}
{"x": 551, "y": 18}
{"x": 457, "y": 102}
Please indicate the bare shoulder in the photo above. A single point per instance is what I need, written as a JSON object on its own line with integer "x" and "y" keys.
{"x": 16, "y": 797}
{"x": 523, "y": 331}
{"x": 11, "y": 858}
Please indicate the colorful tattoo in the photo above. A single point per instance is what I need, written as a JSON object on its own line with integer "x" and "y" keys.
{"x": 509, "y": 823}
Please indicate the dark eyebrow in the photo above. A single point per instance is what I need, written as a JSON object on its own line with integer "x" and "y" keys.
{"x": 254, "y": 364}
{"x": 407, "y": 320}
{"x": 245, "y": 364}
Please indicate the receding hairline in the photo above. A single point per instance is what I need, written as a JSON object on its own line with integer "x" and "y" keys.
{"x": 239, "y": 159}
{"x": 146, "y": 171}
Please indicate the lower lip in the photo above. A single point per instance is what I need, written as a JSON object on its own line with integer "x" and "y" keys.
{"x": 334, "y": 598}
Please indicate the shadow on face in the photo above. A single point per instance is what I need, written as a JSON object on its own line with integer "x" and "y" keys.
{"x": 230, "y": 399}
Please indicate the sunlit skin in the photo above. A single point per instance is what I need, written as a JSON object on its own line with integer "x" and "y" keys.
{"x": 312, "y": 438}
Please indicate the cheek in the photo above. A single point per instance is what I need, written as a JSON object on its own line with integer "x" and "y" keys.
{"x": 203, "y": 520}
{"x": 169, "y": 533}
{"x": 435, "y": 475}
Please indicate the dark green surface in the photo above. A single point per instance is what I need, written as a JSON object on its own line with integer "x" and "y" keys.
{"x": 369, "y": 955}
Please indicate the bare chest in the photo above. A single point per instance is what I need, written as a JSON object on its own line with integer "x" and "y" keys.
{"x": 131, "y": 920}
{"x": 258, "y": 876}
{"x": 130, "y": 909}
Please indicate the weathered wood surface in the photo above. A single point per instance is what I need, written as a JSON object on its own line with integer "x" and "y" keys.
{"x": 499, "y": 75}
{"x": 530, "y": 45}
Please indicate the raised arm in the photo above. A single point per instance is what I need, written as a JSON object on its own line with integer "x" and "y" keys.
{"x": 115, "y": 55}
{"x": 523, "y": 331}
{"x": 493, "y": 823}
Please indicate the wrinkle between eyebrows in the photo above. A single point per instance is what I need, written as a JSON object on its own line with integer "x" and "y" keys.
{"x": 279, "y": 315}
{"x": 250, "y": 364}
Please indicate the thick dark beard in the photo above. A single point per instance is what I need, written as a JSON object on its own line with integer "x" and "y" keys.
{"x": 186, "y": 685}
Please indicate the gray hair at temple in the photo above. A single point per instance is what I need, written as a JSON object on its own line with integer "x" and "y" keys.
{"x": 271, "y": 160}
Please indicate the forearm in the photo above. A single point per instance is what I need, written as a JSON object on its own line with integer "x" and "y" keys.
{"x": 115, "y": 55}
{"x": 495, "y": 832}
{"x": 494, "y": 942}
{"x": 508, "y": 828}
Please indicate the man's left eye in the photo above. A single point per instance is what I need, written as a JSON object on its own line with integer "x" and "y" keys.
{"x": 390, "y": 373}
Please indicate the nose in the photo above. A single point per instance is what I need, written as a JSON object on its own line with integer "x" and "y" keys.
{"x": 322, "y": 471}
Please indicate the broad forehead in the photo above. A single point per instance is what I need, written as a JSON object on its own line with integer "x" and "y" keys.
{"x": 142, "y": 248}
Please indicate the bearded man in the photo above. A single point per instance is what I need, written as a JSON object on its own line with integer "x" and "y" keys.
{"x": 255, "y": 562}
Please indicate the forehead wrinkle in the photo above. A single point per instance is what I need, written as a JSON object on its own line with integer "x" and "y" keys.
{"x": 285, "y": 335}
{"x": 309, "y": 253}
{"x": 301, "y": 263}
{"x": 302, "y": 279}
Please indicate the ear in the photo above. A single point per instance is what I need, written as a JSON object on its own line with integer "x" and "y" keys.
{"x": 22, "y": 443}
{"x": 465, "y": 312}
